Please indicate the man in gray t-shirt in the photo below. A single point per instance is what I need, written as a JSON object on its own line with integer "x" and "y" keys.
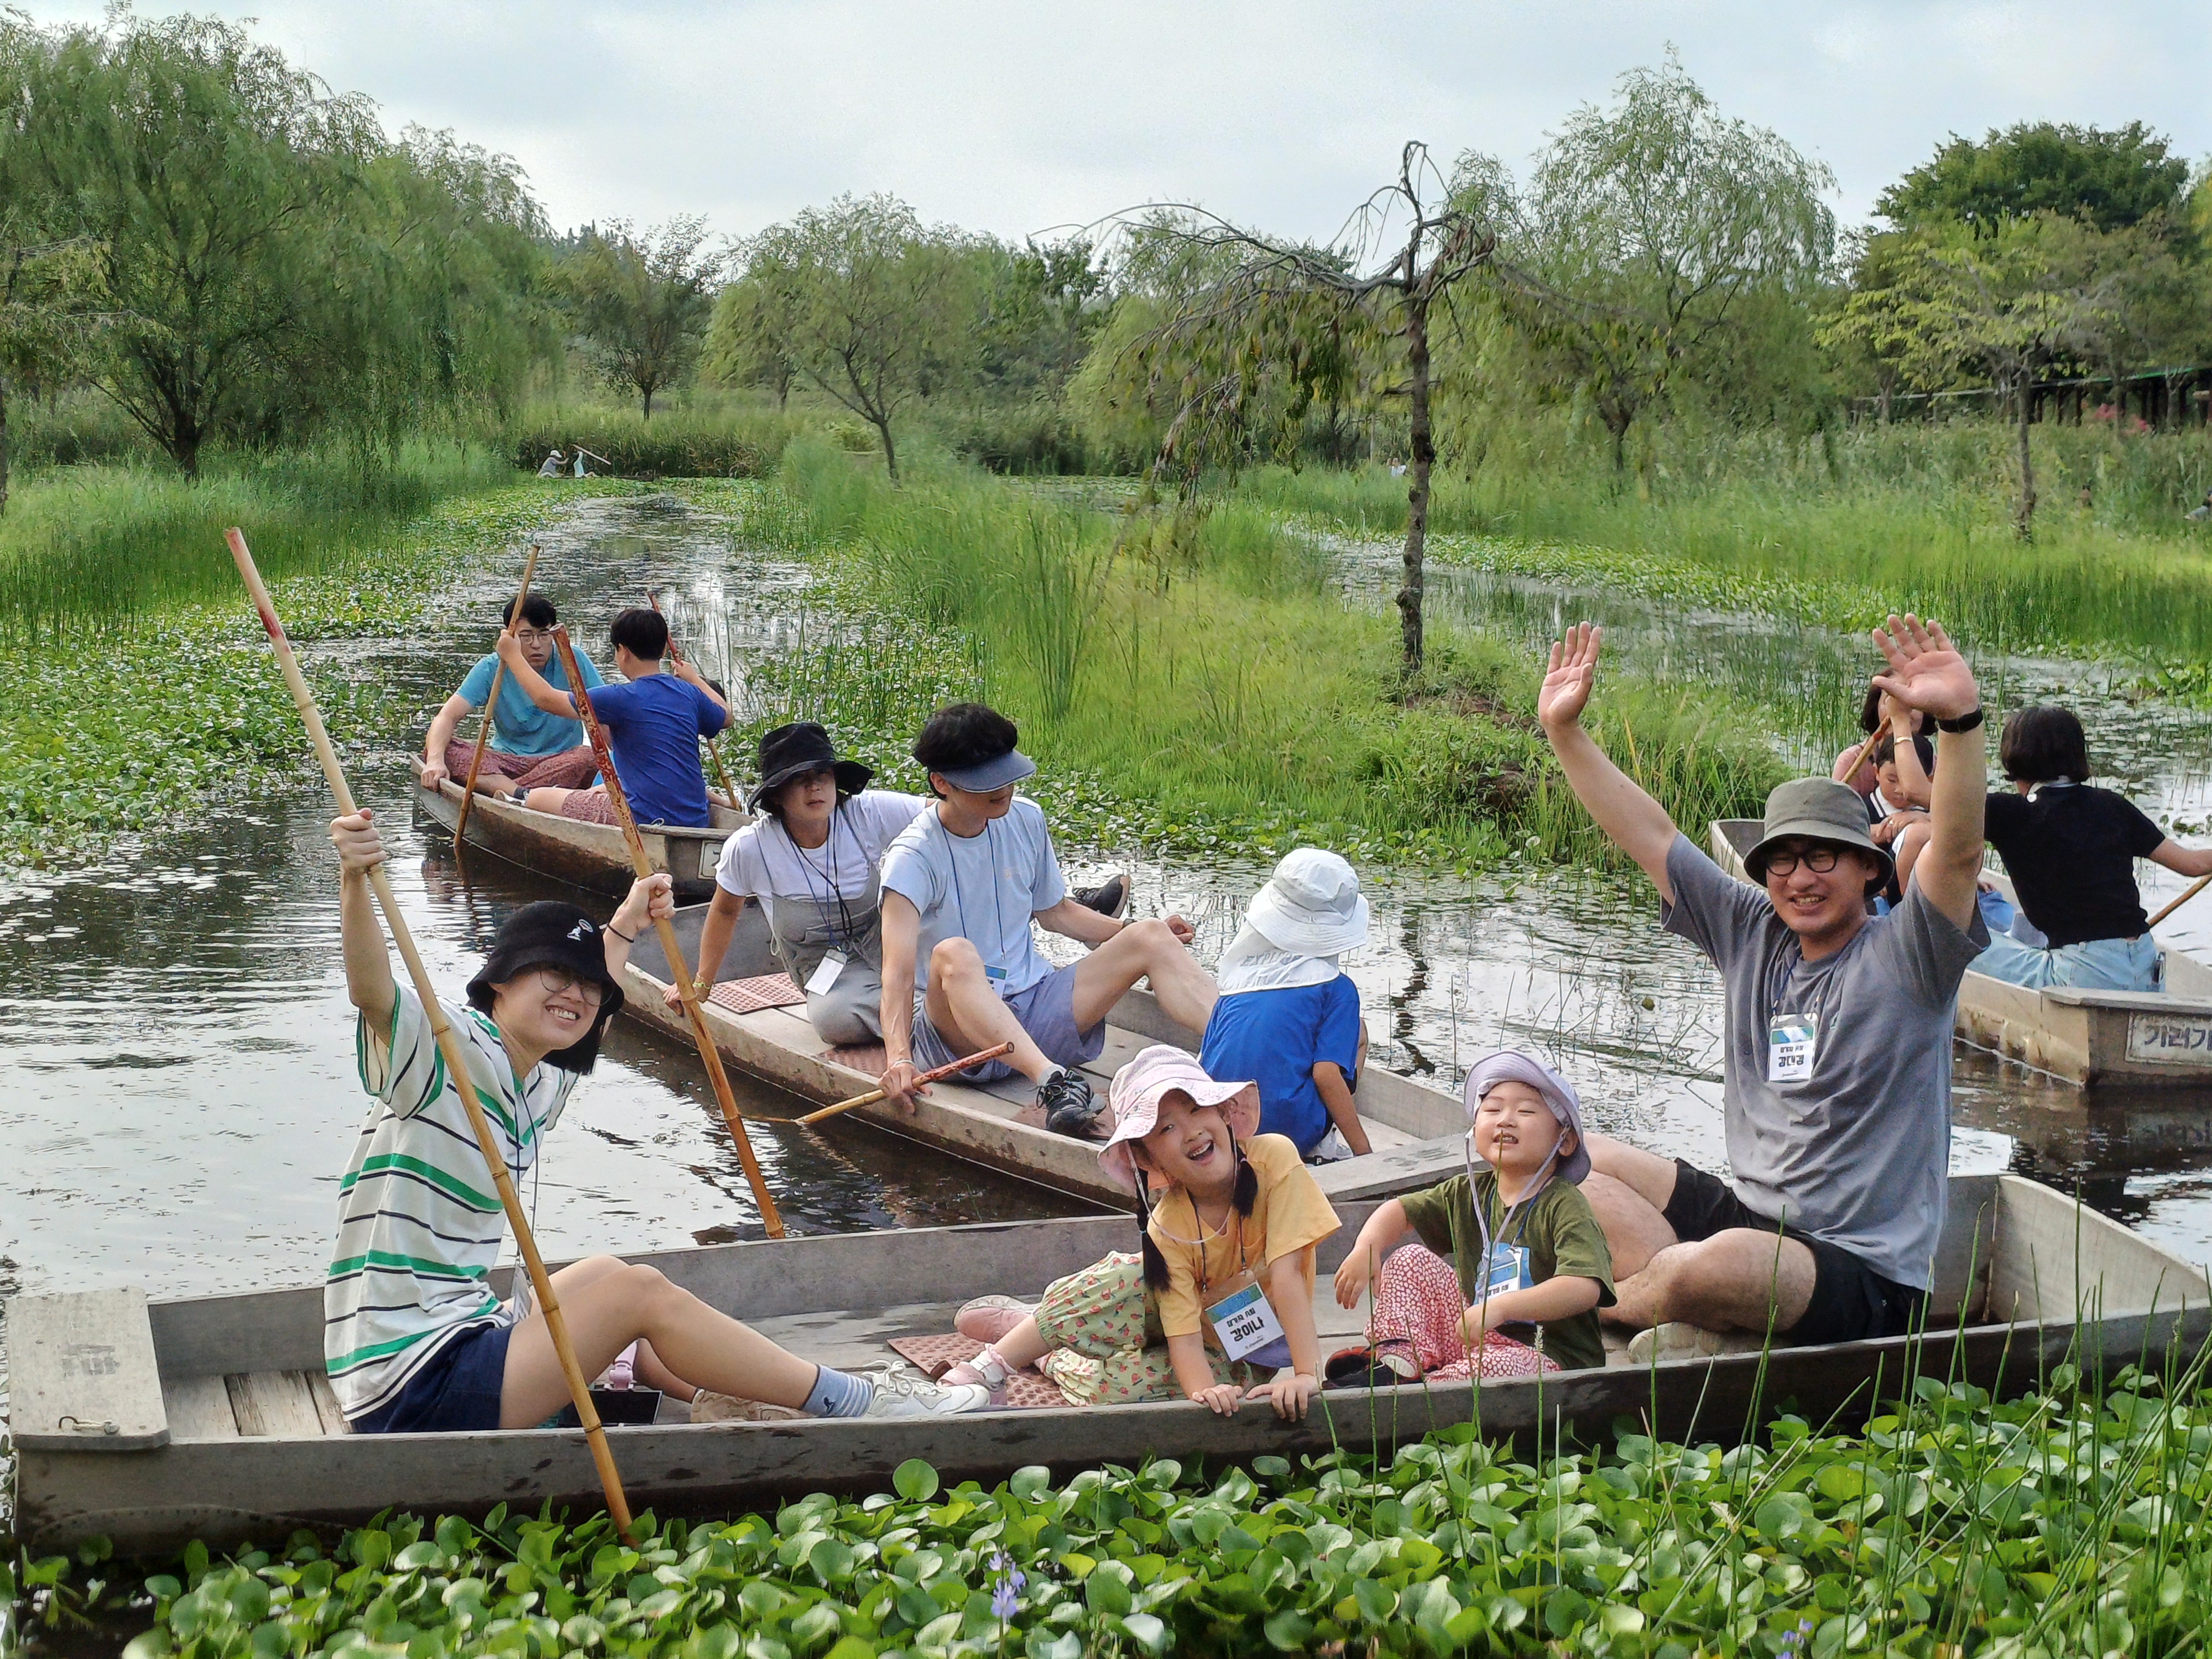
{"x": 1837, "y": 1080}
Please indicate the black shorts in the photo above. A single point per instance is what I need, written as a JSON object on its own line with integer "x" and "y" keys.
{"x": 1851, "y": 1301}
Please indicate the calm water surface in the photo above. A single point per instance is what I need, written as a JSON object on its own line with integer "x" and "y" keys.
{"x": 177, "y": 1094}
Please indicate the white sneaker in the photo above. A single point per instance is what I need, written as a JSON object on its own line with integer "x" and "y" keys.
{"x": 910, "y": 1395}
{"x": 1678, "y": 1340}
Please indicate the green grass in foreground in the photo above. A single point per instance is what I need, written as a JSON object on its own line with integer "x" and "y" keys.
{"x": 1840, "y": 533}
{"x": 2068, "y": 1523}
{"x": 1202, "y": 687}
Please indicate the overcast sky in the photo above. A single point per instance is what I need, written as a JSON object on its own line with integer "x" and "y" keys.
{"x": 1021, "y": 119}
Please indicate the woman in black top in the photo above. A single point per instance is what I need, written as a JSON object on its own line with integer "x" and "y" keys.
{"x": 2071, "y": 851}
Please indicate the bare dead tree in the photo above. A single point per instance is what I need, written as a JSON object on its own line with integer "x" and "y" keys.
{"x": 1260, "y": 326}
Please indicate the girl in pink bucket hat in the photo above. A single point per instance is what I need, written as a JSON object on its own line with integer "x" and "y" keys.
{"x": 1509, "y": 1249}
{"x": 1220, "y": 1294}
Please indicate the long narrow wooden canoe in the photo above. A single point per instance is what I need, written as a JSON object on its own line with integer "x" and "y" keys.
{"x": 1415, "y": 1131}
{"x": 2143, "y": 1039}
{"x": 156, "y": 1422}
{"x": 588, "y": 855}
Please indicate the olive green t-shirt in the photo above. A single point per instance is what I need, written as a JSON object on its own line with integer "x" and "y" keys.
{"x": 1561, "y": 1235}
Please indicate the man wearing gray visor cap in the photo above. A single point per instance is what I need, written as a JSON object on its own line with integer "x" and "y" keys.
{"x": 1837, "y": 1064}
{"x": 962, "y": 972}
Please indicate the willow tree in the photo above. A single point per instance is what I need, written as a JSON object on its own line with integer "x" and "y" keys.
{"x": 643, "y": 299}
{"x": 1261, "y": 325}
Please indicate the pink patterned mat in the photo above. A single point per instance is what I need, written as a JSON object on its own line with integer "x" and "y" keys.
{"x": 934, "y": 1356}
{"x": 746, "y": 996}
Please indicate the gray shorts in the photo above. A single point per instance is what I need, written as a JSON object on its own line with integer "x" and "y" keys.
{"x": 1046, "y": 1011}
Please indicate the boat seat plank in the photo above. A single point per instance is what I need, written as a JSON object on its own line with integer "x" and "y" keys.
{"x": 199, "y": 1409}
{"x": 326, "y": 1403}
{"x": 84, "y": 1374}
{"x": 274, "y": 1404}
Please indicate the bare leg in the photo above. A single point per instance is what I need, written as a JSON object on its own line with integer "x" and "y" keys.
{"x": 971, "y": 1016}
{"x": 1023, "y": 1345}
{"x": 1650, "y": 1175}
{"x": 1733, "y": 1281}
{"x": 609, "y": 1304}
{"x": 1145, "y": 951}
{"x": 546, "y": 800}
{"x": 1634, "y": 1230}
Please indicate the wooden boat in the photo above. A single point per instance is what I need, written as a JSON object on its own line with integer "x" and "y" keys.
{"x": 588, "y": 855}
{"x": 1415, "y": 1131}
{"x": 156, "y": 1422}
{"x": 2144, "y": 1039}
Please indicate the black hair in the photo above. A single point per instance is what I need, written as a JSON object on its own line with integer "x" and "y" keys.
{"x": 2043, "y": 743}
{"x": 536, "y": 610}
{"x": 1886, "y": 752}
{"x": 1870, "y": 713}
{"x": 1243, "y": 1196}
{"x": 964, "y": 734}
{"x": 579, "y": 1056}
{"x": 642, "y": 633}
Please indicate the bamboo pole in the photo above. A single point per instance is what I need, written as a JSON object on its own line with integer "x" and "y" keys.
{"x": 491, "y": 706}
{"x": 673, "y": 950}
{"x": 929, "y": 1075}
{"x": 541, "y": 1282}
{"x": 2195, "y": 888}
{"x": 714, "y": 754}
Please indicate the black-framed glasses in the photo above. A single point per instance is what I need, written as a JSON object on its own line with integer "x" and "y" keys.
{"x": 1818, "y": 859}
{"x": 558, "y": 980}
{"x": 531, "y": 635}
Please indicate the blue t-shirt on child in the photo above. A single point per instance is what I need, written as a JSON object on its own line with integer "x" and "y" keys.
{"x": 1275, "y": 1038}
{"x": 519, "y": 727}
{"x": 653, "y": 727}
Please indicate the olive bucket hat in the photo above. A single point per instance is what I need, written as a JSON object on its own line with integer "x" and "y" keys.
{"x": 1816, "y": 808}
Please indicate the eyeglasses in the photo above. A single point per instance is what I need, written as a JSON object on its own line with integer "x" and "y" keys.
{"x": 531, "y": 636}
{"x": 1818, "y": 859}
{"x": 556, "y": 981}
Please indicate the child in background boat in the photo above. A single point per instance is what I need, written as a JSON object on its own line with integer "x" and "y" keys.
{"x": 1512, "y": 1249}
{"x": 1881, "y": 712}
{"x": 414, "y": 1339}
{"x": 1221, "y": 1292}
{"x": 1286, "y": 1015}
{"x": 528, "y": 748}
{"x": 2071, "y": 850}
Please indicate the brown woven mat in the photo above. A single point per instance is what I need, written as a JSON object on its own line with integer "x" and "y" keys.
{"x": 936, "y": 1355}
{"x": 746, "y": 996}
{"x": 870, "y": 1061}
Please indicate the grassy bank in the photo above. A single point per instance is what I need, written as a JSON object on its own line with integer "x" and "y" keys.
{"x": 1838, "y": 528}
{"x": 1197, "y": 681}
{"x": 2071, "y": 1522}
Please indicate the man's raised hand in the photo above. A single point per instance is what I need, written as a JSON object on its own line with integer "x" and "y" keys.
{"x": 1567, "y": 682}
{"x": 1925, "y": 670}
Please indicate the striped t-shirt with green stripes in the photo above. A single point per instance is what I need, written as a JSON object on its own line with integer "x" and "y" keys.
{"x": 419, "y": 1221}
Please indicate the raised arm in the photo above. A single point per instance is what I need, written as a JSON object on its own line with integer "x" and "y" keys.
{"x": 369, "y": 985}
{"x": 1927, "y": 672}
{"x": 1913, "y": 783}
{"x": 1637, "y": 824}
{"x": 533, "y": 683}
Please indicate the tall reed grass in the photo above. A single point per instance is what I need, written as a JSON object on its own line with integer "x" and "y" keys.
{"x": 711, "y": 442}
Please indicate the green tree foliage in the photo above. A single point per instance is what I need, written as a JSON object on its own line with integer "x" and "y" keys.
{"x": 644, "y": 299}
{"x": 864, "y": 302}
{"x": 2109, "y": 179}
{"x": 273, "y": 262}
{"x": 1042, "y": 306}
{"x": 1649, "y": 233}
{"x": 50, "y": 296}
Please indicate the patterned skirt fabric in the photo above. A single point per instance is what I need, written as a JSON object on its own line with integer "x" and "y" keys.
{"x": 572, "y": 768}
{"x": 1418, "y": 1303}
{"x": 590, "y": 805}
{"x": 1105, "y": 1350}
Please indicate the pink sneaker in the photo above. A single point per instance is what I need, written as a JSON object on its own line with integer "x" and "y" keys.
{"x": 988, "y": 1318}
{"x": 987, "y": 1369}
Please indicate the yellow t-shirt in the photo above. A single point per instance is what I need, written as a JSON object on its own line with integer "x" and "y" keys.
{"x": 1290, "y": 1214}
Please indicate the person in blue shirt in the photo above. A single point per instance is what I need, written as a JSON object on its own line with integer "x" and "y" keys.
{"x": 529, "y": 749}
{"x": 654, "y": 725}
{"x": 1287, "y": 1016}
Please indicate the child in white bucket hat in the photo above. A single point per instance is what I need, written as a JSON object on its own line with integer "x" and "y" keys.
{"x": 1509, "y": 1248}
{"x": 1288, "y": 1015}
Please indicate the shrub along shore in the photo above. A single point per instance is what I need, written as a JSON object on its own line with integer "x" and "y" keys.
{"x": 2071, "y": 1522}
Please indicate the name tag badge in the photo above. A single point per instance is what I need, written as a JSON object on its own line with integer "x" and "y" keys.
{"x": 997, "y": 979}
{"x": 1509, "y": 1267}
{"x": 1789, "y": 1043}
{"x": 825, "y": 973}
{"x": 1244, "y": 1323}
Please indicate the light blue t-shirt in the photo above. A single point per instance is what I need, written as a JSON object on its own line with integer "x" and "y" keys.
{"x": 518, "y": 726}
{"x": 981, "y": 888}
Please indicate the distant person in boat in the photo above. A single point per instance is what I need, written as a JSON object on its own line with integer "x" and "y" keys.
{"x": 529, "y": 748}
{"x": 1287, "y": 1015}
{"x": 1216, "y": 1305}
{"x": 414, "y": 1339}
{"x": 1498, "y": 1266}
{"x": 813, "y": 859}
{"x": 1879, "y": 714}
{"x": 2071, "y": 850}
{"x": 550, "y": 466}
{"x": 1888, "y": 818}
{"x": 962, "y": 972}
{"x": 654, "y": 725}
{"x": 1837, "y": 1070}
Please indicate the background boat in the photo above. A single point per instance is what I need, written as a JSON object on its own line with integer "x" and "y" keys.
{"x": 592, "y": 856}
